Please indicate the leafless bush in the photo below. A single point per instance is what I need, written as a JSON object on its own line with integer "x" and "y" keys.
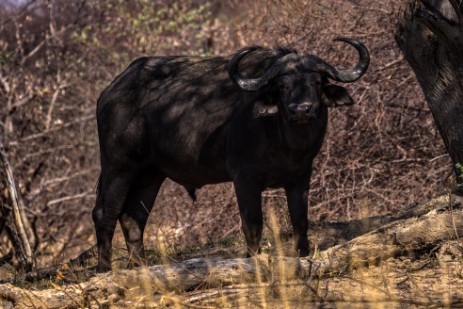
{"x": 380, "y": 155}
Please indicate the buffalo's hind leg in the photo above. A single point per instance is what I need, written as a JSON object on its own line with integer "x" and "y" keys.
{"x": 112, "y": 192}
{"x": 136, "y": 211}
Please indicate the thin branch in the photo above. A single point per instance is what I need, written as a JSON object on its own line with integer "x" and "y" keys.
{"x": 52, "y": 129}
{"x": 70, "y": 198}
{"x": 62, "y": 84}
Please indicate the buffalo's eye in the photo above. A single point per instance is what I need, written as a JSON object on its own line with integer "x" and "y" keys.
{"x": 283, "y": 87}
{"x": 316, "y": 83}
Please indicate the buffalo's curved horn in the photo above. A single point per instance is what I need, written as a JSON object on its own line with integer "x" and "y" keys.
{"x": 254, "y": 84}
{"x": 347, "y": 75}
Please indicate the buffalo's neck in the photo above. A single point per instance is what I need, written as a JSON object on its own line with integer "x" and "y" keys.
{"x": 303, "y": 136}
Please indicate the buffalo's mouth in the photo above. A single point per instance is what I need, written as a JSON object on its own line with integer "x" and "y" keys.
{"x": 304, "y": 120}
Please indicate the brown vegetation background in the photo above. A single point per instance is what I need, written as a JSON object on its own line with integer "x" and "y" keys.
{"x": 379, "y": 156}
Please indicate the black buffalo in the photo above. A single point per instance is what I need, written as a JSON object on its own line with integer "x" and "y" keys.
{"x": 257, "y": 119}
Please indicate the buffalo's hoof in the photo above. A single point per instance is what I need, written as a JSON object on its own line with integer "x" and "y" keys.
{"x": 103, "y": 268}
{"x": 303, "y": 252}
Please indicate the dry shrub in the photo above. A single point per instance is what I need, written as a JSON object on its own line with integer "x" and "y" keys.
{"x": 379, "y": 156}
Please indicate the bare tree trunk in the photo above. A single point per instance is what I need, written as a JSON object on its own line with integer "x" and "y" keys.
{"x": 431, "y": 39}
{"x": 21, "y": 223}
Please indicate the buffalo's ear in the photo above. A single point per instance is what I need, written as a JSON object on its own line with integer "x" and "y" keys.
{"x": 334, "y": 95}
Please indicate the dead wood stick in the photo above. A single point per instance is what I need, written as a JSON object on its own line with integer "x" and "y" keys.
{"x": 25, "y": 252}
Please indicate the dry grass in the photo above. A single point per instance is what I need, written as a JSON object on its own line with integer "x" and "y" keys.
{"x": 212, "y": 277}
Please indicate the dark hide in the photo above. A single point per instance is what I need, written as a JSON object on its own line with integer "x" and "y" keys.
{"x": 184, "y": 118}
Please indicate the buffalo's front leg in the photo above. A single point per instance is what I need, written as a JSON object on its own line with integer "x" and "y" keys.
{"x": 249, "y": 202}
{"x": 297, "y": 204}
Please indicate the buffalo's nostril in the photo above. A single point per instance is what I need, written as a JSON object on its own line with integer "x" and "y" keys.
{"x": 305, "y": 107}
{"x": 293, "y": 108}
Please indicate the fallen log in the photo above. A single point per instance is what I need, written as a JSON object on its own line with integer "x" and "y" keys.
{"x": 412, "y": 237}
{"x": 329, "y": 234}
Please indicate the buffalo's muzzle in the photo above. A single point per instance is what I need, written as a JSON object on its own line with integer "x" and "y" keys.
{"x": 303, "y": 111}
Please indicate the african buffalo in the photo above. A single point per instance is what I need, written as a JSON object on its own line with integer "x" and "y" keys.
{"x": 257, "y": 119}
